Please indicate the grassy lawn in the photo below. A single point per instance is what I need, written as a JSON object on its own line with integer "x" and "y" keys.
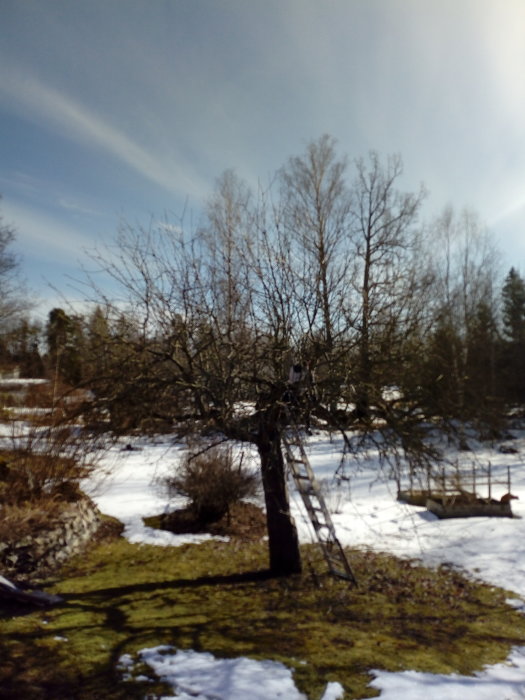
{"x": 218, "y": 597}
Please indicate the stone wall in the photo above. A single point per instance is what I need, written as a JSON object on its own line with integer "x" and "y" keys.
{"x": 35, "y": 554}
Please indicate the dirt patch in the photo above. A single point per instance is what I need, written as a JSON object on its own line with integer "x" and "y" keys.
{"x": 109, "y": 529}
{"x": 245, "y": 521}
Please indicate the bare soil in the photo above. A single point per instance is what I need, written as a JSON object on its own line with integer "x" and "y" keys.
{"x": 245, "y": 521}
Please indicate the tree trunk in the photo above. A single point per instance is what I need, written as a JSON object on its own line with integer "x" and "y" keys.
{"x": 285, "y": 557}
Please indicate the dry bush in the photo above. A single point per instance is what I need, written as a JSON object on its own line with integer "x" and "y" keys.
{"x": 44, "y": 394}
{"x": 41, "y": 470}
{"x": 44, "y": 463}
{"x": 18, "y": 521}
{"x": 26, "y": 477}
{"x": 42, "y": 466}
{"x": 213, "y": 480}
{"x": 55, "y": 402}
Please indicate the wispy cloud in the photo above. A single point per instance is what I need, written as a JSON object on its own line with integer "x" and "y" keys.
{"x": 179, "y": 93}
{"x": 45, "y": 235}
{"x": 77, "y": 207}
{"x": 69, "y": 117}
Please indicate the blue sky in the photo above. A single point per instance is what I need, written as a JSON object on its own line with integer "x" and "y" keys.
{"x": 114, "y": 109}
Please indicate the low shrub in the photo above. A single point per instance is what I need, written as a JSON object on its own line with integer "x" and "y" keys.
{"x": 17, "y": 522}
{"x": 26, "y": 477}
{"x": 44, "y": 463}
{"x": 213, "y": 480}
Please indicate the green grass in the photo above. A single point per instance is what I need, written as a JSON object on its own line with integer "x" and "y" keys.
{"x": 218, "y": 597}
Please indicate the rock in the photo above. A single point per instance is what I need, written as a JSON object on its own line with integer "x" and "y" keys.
{"x": 74, "y": 525}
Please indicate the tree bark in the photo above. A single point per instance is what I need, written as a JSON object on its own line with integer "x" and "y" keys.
{"x": 283, "y": 542}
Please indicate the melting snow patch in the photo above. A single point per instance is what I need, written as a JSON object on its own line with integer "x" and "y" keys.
{"x": 200, "y": 676}
{"x": 138, "y": 533}
{"x": 194, "y": 675}
{"x": 517, "y": 604}
{"x": 503, "y": 681}
{"x": 334, "y": 691}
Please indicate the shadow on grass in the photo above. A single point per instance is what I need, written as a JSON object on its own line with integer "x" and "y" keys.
{"x": 37, "y": 662}
{"x": 199, "y": 582}
{"x": 126, "y": 598}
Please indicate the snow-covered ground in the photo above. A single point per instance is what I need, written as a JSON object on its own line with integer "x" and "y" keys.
{"x": 365, "y": 512}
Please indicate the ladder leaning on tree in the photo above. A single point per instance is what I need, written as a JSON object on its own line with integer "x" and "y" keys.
{"x": 316, "y": 508}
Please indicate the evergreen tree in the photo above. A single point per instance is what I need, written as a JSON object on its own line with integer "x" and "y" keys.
{"x": 482, "y": 390}
{"x": 513, "y": 369}
{"x": 65, "y": 342}
{"x": 19, "y": 348}
{"x": 514, "y": 307}
{"x": 97, "y": 344}
{"x": 442, "y": 371}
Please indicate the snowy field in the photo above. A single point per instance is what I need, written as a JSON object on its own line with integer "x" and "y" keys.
{"x": 366, "y": 513}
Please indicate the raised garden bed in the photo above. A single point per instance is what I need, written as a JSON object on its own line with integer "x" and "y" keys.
{"x": 456, "y": 505}
{"x": 455, "y": 493}
{"x": 414, "y": 497}
{"x": 450, "y": 507}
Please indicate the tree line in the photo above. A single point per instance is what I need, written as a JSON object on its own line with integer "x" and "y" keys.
{"x": 332, "y": 267}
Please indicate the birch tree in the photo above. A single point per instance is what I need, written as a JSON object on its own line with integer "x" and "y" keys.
{"x": 384, "y": 241}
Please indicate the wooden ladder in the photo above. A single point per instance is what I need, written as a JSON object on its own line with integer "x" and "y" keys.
{"x": 310, "y": 491}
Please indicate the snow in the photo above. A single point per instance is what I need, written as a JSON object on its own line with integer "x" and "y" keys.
{"x": 369, "y": 515}
{"x": 131, "y": 490}
{"x": 366, "y": 513}
{"x": 502, "y": 681}
{"x": 200, "y": 676}
{"x": 21, "y": 382}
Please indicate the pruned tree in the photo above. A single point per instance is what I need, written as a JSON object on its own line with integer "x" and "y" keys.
{"x": 203, "y": 341}
{"x": 320, "y": 274}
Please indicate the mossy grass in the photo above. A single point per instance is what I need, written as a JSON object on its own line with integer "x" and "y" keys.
{"x": 218, "y": 597}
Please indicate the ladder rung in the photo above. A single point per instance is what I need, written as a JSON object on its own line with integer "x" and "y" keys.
{"x": 316, "y": 509}
{"x": 304, "y": 478}
{"x": 334, "y": 557}
{"x": 328, "y": 542}
{"x": 320, "y": 522}
{"x": 321, "y": 511}
{"x": 343, "y": 574}
{"x": 325, "y": 545}
{"x": 308, "y": 487}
